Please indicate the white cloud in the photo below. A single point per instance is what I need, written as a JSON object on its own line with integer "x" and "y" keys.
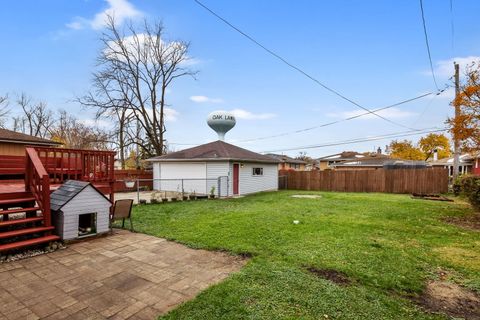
{"x": 392, "y": 113}
{"x": 444, "y": 68}
{"x": 121, "y": 10}
{"x": 96, "y": 123}
{"x": 204, "y": 99}
{"x": 146, "y": 42}
{"x": 171, "y": 115}
{"x": 247, "y": 115}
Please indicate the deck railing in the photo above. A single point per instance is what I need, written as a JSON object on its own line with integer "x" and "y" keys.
{"x": 46, "y": 166}
{"x": 37, "y": 181}
{"x": 86, "y": 165}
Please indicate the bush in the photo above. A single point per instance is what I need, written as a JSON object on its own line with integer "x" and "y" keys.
{"x": 457, "y": 185}
{"x": 470, "y": 188}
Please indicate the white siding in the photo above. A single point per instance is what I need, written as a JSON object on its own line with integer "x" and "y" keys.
{"x": 216, "y": 169}
{"x": 87, "y": 201}
{"x": 156, "y": 175}
{"x": 171, "y": 175}
{"x": 248, "y": 183}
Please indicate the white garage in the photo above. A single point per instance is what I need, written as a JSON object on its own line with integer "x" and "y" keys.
{"x": 219, "y": 166}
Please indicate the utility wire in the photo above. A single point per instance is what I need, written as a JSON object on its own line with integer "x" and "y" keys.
{"x": 381, "y": 137}
{"x": 298, "y": 69}
{"x": 427, "y": 106}
{"x": 427, "y": 44}
{"x": 338, "y": 121}
{"x": 327, "y": 123}
{"x": 452, "y": 27}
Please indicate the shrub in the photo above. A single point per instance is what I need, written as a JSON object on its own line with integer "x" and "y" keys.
{"x": 470, "y": 188}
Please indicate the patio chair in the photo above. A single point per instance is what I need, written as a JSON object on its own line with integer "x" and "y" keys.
{"x": 122, "y": 210}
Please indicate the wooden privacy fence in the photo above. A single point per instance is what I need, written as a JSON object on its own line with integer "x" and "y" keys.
{"x": 425, "y": 181}
{"x": 121, "y": 175}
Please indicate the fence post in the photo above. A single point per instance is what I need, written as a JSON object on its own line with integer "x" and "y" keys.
{"x": 228, "y": 186}
{"x": 219, "y": 186}
{"x": 182, "y": 191}
{"x": 138, "y": 192}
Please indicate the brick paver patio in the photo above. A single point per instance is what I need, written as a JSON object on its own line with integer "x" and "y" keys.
{"x": 121, "y": 276}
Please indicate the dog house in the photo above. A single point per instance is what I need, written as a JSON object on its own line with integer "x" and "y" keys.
{"x": 79, "y": 210}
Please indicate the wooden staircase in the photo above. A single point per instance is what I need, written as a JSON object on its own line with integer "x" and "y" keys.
{"x": 22, "y": 222}
{"x": 25, "y": 216}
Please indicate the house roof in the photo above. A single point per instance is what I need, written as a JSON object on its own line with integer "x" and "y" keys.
{"x": 284, "y": 158}
{"x": 214, "y": 151}
{"x": 345, "y": 155}
{"x": 67, "y": 191}
{"x": 371, "y": 161}
{"x": 465, "y": 159}
{"x": 21, "y": 138}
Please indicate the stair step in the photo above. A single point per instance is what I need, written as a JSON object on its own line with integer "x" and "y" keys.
{"x": 21, "y": 232}
{"x": 16, "y": 200}
{"x": 27, "y": 243}
{"x": 19, "y": 210}
{"x": 19, "y": 221}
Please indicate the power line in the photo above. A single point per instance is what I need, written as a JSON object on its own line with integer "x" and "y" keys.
{"x": 338, "y": 121}
{"x": 298, "y": 69}
{"x": 452, "y": 27}
{"x": 427, "y": 43}
{"x": 428, "y": 106}
{"x": 374, "y": 138}
{"x": 327, "y": 123}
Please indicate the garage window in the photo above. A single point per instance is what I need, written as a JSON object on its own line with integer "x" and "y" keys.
{"x": 257, "y": 171}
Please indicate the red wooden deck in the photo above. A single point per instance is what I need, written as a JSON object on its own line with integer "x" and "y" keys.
{"x": 44, "y": 170}
{"x": 11, "y": 186}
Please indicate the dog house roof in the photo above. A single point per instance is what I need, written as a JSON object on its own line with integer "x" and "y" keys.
{"x": 67, "y": 191}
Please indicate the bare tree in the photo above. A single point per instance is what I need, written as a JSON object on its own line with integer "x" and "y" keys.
{"x": 36, "y": 120}
{"x": 134, "y": 73}
{"x": 3, "y": 110}
{"x": 122, "y": 135}
{"x": 74, "y": 134}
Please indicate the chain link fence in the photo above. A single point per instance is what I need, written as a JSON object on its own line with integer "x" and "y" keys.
{"x": 169, "y": 190}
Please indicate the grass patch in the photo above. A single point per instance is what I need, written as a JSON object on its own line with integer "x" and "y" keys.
{"x": 389, "y": 244}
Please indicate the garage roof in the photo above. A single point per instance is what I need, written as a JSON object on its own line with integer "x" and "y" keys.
{"x": 215, "y": 151}
{"x": 21, "y": 138}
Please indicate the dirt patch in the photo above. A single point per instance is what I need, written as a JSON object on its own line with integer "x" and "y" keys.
{"x": 306, "y": 196}
{"x": 471, "y": 221}
{"x": 334, "y": 276}
{"x": 451, "y": 299}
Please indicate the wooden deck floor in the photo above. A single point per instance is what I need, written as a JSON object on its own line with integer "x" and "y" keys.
{"x": 11, "y": 186}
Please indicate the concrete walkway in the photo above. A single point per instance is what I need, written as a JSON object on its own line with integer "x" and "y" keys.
{"x": 122, "y": 276}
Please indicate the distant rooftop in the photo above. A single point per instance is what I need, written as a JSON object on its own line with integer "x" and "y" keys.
{"x": 18, "y": 137}
{"x": 285, "y": 158}
{"x": 350, "y": 155}
{"x": 215, "y": 151}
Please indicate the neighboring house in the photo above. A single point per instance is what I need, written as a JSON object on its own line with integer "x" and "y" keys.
{"x": 476, "y": 165}
{"x": 288, "y": 163}
{"x": 362, "y": 163}
{"x": 328, "y": 162}
{"x": 12, "y": 151}
{"x": 13, "y": 143}
{"x": 466, "y": 164}
{"x": 219, "y": 166}
{"x": 378, "y": 162}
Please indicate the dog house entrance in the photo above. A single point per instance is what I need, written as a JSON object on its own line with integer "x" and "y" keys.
{"x": 87, "y": 224}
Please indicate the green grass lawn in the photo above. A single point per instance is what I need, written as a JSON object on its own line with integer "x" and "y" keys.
{"x": 388, "y": 245}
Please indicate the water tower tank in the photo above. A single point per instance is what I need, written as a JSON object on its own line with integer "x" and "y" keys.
{"x": 221, "y": 122}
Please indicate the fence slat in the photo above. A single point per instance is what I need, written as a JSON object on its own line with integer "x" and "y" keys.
{"x": 426, "y": 180}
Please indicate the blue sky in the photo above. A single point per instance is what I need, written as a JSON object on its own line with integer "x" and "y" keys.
{"x": 371, "y": 51}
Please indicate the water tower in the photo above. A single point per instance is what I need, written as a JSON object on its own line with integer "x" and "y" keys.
{"x": 221, "y": 122}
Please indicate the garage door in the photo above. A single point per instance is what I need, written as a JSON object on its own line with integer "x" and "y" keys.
{"x": 192, "y": 175}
